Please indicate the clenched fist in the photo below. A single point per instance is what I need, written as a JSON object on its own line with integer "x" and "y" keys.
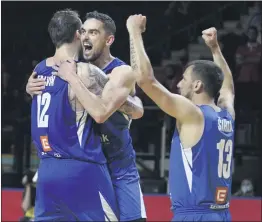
{"x": 136, "y": 23}
{"x": 210, "y": 37}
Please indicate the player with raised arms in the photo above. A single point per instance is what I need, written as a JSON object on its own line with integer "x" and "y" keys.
{"x": 200, "y": 172}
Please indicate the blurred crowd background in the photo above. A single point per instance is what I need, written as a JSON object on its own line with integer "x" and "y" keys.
{"x": 173, "y": 38}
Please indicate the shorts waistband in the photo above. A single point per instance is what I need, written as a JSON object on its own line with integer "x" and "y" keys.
{"x": 69, "y": 160}
{"x": 202, "y": 210}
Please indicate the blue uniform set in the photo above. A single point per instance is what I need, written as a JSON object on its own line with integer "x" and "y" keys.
{"x": 73, "y": 183}
{"x": 200, "y": 177}
{"x": 120, "y": 154}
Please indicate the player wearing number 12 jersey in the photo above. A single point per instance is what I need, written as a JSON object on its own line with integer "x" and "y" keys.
{"x": 101, "y": 97}
{"x": 73, "y": 179}
{"x": 201, "y": 152}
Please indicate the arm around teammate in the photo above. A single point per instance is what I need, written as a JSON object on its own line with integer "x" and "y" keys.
{"x": 100, "y": 105}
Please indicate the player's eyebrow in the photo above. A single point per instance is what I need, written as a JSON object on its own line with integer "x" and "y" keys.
{"x": 93, "y": 30}
{"x": 82, "y": 29}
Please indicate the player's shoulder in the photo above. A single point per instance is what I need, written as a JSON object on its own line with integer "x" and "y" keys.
{"x": 92, "y": 67}
{"x": 40, "y": 66}
{"x": 85, "y": 69}
{"x": 43, "y": 66}
{"x": 82, "y": 64}
{"x": 119, "y": 61}
{"x": 226, "y": 102}
{"x": 213, "y": 112}
{"x": 124, "y": 71}
{"x": 125, "y": 67}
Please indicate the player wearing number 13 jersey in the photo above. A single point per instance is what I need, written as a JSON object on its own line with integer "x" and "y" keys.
{"x": 204, "y": 170}
{"x": 202, "y": 146}
{"x": 73, "y": 179}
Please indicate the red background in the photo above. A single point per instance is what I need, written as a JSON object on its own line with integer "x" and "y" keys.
{"x": 158, "y": 207}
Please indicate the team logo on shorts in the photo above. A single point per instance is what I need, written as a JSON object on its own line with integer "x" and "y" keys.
{"x": 45, "y": 143}
{"x": 221, "y": 195}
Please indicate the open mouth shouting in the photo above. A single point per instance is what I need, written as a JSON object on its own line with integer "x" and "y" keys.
{"x": 87, "y": 46}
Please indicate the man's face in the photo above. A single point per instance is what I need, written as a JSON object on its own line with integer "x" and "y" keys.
{"x": 185, "y": 86}
{"x": 169, "y": 72}
{"x": 93, "y": 39}
{"x": 252, "y": 35}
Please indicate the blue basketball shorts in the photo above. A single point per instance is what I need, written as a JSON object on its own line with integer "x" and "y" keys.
{"x": 72, "y": 190}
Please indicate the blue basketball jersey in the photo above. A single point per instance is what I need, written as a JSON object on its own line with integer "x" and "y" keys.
{"x": 115, "y": 135}
{"x": 56, "y": 130}
{"x": 200, "y": 177}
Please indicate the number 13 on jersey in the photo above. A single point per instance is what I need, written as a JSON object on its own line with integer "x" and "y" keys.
{"x": 224, "y": 166}
{"x": 43, "y": 103}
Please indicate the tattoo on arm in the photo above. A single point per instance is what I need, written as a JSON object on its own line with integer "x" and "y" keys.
{"x": 133, "y": 56}
{"x": 128, "y": 108}
{"x": 96, "y": 80}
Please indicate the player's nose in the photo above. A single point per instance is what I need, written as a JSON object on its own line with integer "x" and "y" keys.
{"x": 84, "y": 36}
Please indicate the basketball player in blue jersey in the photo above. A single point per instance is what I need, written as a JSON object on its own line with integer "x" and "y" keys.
{"x": 200, "y": 171}
{"x": 97, "y": 36}
{"x": 73, "y": 179}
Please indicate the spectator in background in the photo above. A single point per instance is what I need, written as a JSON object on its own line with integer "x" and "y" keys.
{"x": 34, "y": 63}
{"x": 5, "y": 78}
{"x": 255, "y": 19}
{"x": 231, "y": 41}
{"x": 246, "y": 189}
{"x": 25, "y": 127}
{"x": 29, "y": 195}
{"x": 173, "y": 73}
{"x": 16, "y": 105}
{"x": 7, "y": 121}
{"x": 248, "y": 58}
{"x": 6, "y": 96}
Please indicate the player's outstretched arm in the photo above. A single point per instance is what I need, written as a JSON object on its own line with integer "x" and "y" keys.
{"x": 88, "y": 86}
{"x": 173, "y": 104}
{"x": 227, "y": 93}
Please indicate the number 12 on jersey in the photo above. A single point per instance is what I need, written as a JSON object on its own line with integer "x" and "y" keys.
{"x": 43, "y": 103}
{"x": 224, "y": 166}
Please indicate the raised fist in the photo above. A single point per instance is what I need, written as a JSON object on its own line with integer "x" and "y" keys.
{"x": 210, "y": 37}
{"x": 136, "y": 23}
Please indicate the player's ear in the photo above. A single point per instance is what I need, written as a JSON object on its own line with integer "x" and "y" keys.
{"x": 110, "y": 40}
{"x": 78, "y": 35}
{"x": 198, "y": 86}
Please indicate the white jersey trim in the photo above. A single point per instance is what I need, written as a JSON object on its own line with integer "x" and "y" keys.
{"x": 187, "y": 157}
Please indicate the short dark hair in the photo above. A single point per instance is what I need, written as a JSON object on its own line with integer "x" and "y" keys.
{"x": 63, "y": 26}
{"x": 108, "y": 22}
{"x": 210, "y": 74}
{"x": 254, "y": 28}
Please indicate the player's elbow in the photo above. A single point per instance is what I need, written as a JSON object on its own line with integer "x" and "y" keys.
{"x": 101, "y": 113}
{"x": 139, "y": 114}
{"x": 102, "y": 116}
